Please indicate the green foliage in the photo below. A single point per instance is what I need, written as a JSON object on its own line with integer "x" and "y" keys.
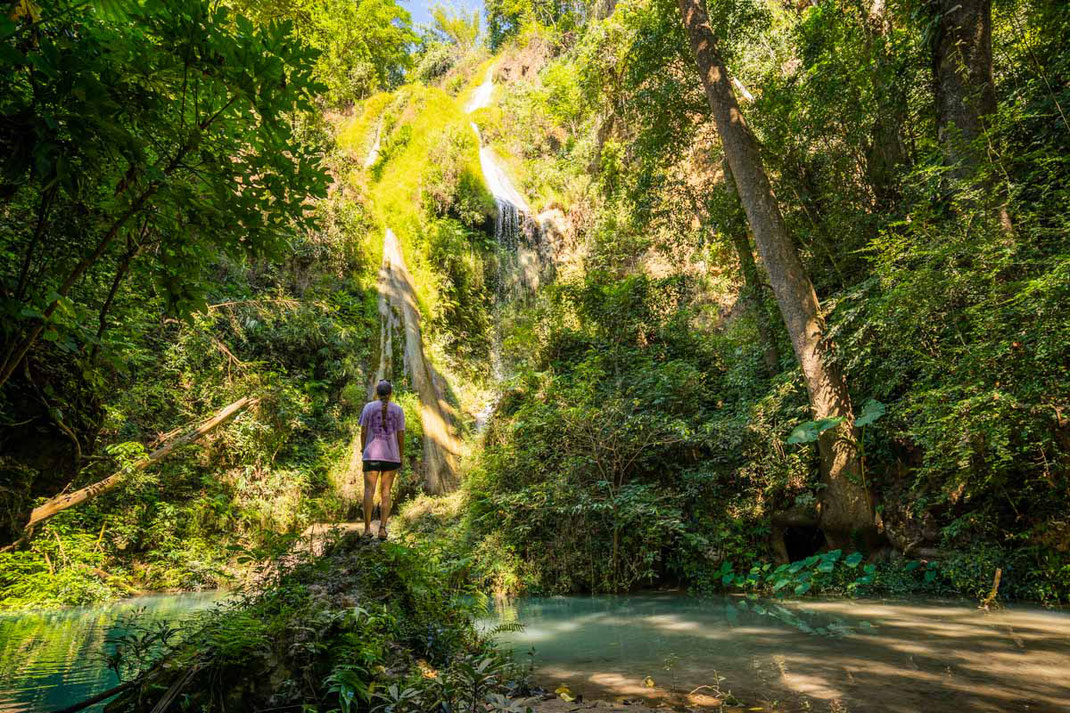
{"x": 591, "y": 473}
{"x": 298, "y": 333}
{"x": 455, "y": 26}
{"x": 362, "y": 47}
{"x": 825, "y": 572}
{"x": 508, "y": 18}
{"x": 138, "y": 646}
{"x": 809, "y": 431}
{"x": 61, "y": 568}
{"x": 948, "y": 320}
{"x": 144, "y": 133}
{"x": 368, "y": 626}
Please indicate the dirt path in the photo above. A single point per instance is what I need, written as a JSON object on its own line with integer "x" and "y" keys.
{"x": 316, "y": 536}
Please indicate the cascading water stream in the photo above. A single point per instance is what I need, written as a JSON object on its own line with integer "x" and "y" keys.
{"x": 512, "y": 208}
{"x": 482, "y": 95}
{"x": 518, "y": 261}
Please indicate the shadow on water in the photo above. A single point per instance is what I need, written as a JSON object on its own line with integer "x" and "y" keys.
{"x": 836, "y": 655}
{"x": 53, "y": 659}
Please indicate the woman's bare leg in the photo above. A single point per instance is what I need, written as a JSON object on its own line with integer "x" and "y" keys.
{"x": 370, "y": 478}
{"x": 385, "y": 501}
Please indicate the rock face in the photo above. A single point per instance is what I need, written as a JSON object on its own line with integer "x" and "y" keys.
{"x": 525, "y": 62}
{"x": 399, "y": 314}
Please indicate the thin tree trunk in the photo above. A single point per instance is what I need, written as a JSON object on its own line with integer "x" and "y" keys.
{"x": 845, "y": 508}
{"x": 887, "y": 150}
{"x": 120, "y": 272}
{"x": 962, "y": 69}
{"x": 68, "y": 500}
{"x": 27, "y": 259}
{"x": 752, "y": 296}
{"x": 19, "y": 351}
{"x": 752, "y": 287}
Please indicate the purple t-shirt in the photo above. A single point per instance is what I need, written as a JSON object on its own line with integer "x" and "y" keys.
{"x": 382, "y": 438}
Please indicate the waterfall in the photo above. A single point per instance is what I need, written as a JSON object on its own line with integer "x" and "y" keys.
{"x": 510, "y": 204}
{"x": 514, "y": 231}
{"x": 520, "y": 261}
{"x": 482, "y": 95}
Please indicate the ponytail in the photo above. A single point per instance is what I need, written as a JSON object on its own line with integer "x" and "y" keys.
{"x": 383, "y": 391}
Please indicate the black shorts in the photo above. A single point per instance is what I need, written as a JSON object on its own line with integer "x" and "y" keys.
{"x": 380, "y": 465}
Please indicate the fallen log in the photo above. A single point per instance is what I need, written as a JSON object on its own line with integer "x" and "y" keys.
{"x": 93, "y": 700}
{"x": 109, "y": 578}
{"x": 68, "y": 500}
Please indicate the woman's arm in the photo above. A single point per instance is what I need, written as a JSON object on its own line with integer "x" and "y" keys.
{"x": 363, "y": 437}
{"x": 401, "y": 446}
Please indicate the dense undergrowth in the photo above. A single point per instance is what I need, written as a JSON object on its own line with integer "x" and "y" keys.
{"x": 299, "y": 335}
{"x": 365, "y": 626}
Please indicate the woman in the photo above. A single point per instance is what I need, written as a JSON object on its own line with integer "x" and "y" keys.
{"x": 382, "y": 436}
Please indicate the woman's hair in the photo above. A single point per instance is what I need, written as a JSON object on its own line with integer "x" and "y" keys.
{"x": 383, "y": 391}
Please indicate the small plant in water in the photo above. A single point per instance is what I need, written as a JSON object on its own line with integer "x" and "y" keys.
{"x": 139, "y": 645}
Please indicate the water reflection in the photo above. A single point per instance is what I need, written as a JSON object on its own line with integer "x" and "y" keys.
{"x": 53, "y": 659}
{"x": 839, "y": 655}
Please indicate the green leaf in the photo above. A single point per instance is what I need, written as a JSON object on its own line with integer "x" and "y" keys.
{"x": 853, "y": 559}
{"x": 802, "y": 588}
{"x": 871, "y": 412}
{"x": 810, "y": 431}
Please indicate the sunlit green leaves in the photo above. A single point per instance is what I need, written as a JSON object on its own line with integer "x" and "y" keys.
{"x": 810, "y": 431}
{"x": 871, "y": 412}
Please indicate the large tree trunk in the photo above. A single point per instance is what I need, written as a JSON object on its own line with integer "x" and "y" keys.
{"x": 962, "y": 69}
{"x": 886, "y": 151}
{"x": 846, "y": 510}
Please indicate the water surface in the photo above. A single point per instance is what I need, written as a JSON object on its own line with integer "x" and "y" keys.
{"x": 811, "y": 655}
{"x": 814, "y": 655}
{"x": 53, "y": 659}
